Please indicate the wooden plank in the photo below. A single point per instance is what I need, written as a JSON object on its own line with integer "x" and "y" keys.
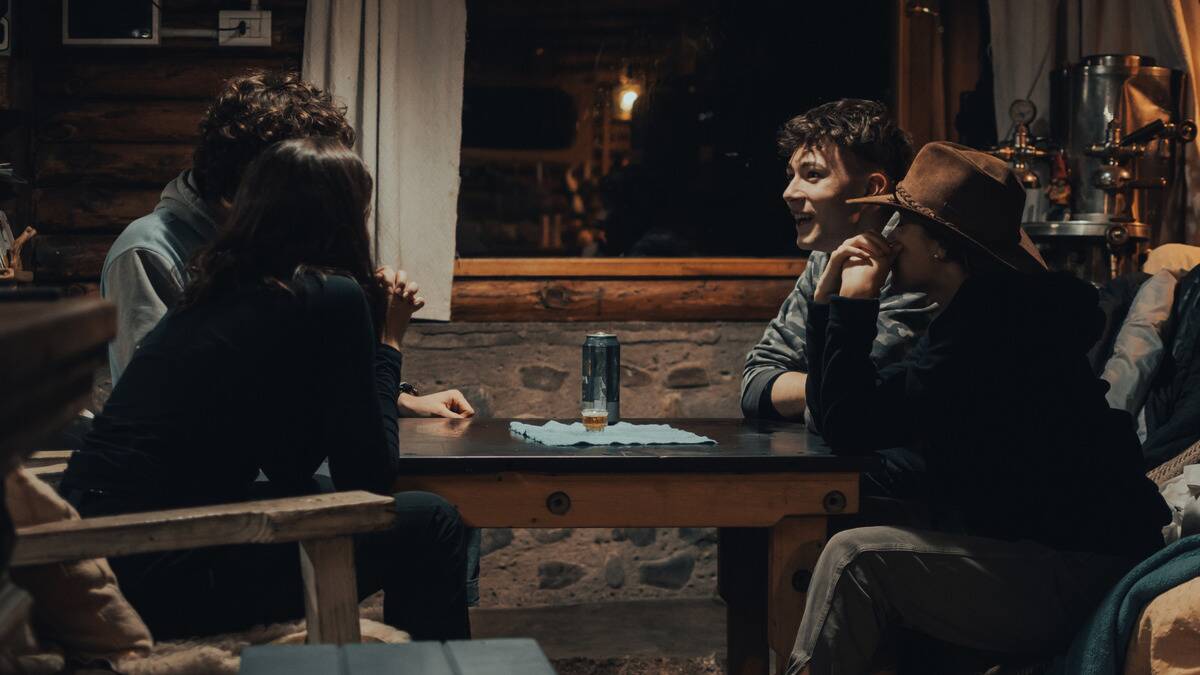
{"x": 793, "y": 548}
{"x": 121, "y": 121}
{"x": 618, "y": 300}
{"x": 514, "y": 499}
{"x": 91, "y": 209}
{"x": 80, "y": 257}
{"x": 170, "y": 75}
{"x": 69, "y": 257}
{"x": 124, "y": 164}
{"x": 260, "y": 522}
{"x": 330, "y": 591}
{"x": 510, "y": 268}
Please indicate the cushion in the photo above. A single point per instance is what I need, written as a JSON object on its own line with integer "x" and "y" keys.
{"x": 1167, "y": 634}
{"x": 1138, "y": 349}
{"x": 76, "y": 604}
{"x": 1179, "y": 258}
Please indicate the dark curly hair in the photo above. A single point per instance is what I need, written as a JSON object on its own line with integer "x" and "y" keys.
{"x": 251, "y": 112}
{"x": 862, "y": 127}
{"x": 302, "y": 207}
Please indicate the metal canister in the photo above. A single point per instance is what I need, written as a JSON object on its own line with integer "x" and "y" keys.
{"x": 602, "y": 373}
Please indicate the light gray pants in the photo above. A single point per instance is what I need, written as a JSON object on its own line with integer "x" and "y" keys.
{"x": 1013, "y": 597}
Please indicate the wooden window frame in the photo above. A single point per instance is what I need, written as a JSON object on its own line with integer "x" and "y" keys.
{"x": 621, "y": 289}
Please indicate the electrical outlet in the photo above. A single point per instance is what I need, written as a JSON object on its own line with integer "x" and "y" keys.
{"x": 256, "y": 31}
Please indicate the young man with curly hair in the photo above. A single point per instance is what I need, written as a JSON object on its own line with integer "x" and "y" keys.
{"x": 836, "y": 151}
{"x": 147, "y": 267}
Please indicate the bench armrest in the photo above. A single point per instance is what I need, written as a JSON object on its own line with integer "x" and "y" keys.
{"x": 261, "y": 522}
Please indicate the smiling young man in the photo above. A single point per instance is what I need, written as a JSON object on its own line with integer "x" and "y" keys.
{"x": 836, "y": 151}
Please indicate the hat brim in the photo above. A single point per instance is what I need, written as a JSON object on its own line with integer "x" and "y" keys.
{"x": 1022, "y": 256}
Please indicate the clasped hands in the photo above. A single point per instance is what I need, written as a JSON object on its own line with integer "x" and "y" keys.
{"x": 858, "y": 268}
{"x": 402, "y": 303}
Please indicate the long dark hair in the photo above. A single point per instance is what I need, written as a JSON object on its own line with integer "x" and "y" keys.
{"x": 302, "y": 205}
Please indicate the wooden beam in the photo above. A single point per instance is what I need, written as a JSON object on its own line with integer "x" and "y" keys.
{"x": 260, "y": 522}
{"x": 792, "y": 551}
{"x": 80, "y": 257}
{"x": 512, "y": 268}
{"x": 123, "y": 164}
{"x": 78, "y": 209}
{"x": 514, "y": 499}
{"x": 330, "y": 591}
{"x": 122, "y": 121}
{"x": 618, "y": 300}
{"x": 69, "y": 257}
{"x": 166, "y": 76}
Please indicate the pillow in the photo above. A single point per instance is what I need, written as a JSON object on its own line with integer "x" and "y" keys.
{"x": 1177, "y": 258}
{"x": 75, "y": 604}
{"x": 1138, "y": 349}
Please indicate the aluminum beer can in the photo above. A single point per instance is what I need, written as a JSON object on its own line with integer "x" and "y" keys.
{"x": 602, "y": 373}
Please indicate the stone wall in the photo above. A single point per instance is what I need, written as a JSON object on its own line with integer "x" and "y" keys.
{"x": 533, "y": 370}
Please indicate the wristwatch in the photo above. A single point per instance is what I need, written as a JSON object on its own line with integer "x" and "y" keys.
{"x": 406, "y": 388}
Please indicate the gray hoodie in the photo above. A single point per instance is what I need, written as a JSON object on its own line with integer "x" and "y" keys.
{"x": 903, "y": 318}
{"x": 146, "y": 269}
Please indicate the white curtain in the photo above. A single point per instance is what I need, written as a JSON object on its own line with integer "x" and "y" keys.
{"x": 397, "y": 65}
{"x": 1022, "y": 32}
{"x": 1186, "y": 15}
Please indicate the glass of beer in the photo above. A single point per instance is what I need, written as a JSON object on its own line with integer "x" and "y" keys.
{"x": 595, "y": 415}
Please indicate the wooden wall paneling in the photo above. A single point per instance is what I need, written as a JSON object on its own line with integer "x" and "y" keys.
{"x": 120, "y": 121}
{"x": 114, "y": 164}
{"x": 618, "y": 299}
{"x": 171, "y": 75}
{"x": 91, "y": 209}
{"x": 110, "y": 126}
{"x": 75, "y": 257}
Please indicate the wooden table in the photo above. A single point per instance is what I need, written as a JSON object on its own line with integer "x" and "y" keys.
{"x": 768, "y": 486}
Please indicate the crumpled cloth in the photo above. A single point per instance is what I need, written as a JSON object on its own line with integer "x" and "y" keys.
{"x": 621, "y": 433}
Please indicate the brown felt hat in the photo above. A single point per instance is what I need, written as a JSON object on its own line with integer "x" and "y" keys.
{"x": 970, "y": 194}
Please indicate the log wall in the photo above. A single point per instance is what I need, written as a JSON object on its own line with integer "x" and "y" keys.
{"x": 108, "y": 127}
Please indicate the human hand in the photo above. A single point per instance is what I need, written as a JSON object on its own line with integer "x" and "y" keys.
{"x": 402, "y": 303}
{"x": 450, "y": 403}
{"x": 857, "y": 269}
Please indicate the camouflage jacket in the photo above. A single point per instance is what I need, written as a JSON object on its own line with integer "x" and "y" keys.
{"x": 903, "y": 317}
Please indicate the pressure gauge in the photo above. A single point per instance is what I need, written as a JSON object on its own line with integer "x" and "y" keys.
{"x": 1022, "y": 111}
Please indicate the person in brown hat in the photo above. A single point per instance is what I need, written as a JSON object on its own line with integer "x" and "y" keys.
{"x": 1000, "y": 399}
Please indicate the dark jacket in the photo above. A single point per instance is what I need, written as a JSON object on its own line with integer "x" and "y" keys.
{"x": 1173, "y": 404}
{"x": 258, "y": 379}
{"x": 1001, "y": 399}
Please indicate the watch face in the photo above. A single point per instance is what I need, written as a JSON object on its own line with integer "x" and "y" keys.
{"x": 1022, "y": 111}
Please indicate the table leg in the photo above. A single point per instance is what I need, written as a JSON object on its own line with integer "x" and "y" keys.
{"x": 793, "y": 547}
{"x": 742, "y": 583}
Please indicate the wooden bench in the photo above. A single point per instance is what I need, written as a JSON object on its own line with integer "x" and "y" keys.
{"x": 471, "y": 657}
{"x": 322, "y": 525}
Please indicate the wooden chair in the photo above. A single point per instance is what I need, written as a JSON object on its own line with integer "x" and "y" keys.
{"x": 322, "y": 525}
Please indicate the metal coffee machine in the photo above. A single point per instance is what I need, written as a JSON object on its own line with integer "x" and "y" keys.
{"x": 1115, "y": 149}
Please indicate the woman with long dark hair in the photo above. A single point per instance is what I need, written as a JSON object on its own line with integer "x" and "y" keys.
{"x": 1039, "y": 501}
{"x": 283, "y": 353}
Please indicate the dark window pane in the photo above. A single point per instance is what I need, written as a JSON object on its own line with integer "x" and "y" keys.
{"x": 647, "y": 127}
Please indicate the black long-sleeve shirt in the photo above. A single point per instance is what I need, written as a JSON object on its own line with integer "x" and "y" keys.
{"x": 264, "y": 378}
{"x": 1001, "y": 400}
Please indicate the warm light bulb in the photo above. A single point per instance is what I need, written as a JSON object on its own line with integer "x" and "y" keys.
{"x": 628, "y": 98}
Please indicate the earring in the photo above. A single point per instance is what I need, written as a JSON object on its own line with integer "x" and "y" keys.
{"x": 937, "y": 256}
